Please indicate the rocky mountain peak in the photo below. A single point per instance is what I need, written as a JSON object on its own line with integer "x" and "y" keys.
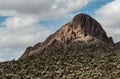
{"x": 83, "y": 29}
{"x": 81, "y": 18}
{"x": 90, "y": 27}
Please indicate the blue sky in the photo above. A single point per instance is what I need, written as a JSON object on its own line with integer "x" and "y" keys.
{"x": 23, "y": 24}
{"x": 88, "y": 9}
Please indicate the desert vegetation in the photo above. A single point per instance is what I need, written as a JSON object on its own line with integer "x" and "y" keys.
{"x": 97, "y": 63}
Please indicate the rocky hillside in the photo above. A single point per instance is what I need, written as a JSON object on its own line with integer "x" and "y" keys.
{"x": 82, "y": 30}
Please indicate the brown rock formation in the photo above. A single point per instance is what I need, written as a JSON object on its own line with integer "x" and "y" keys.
{"x": 83, "y": 29}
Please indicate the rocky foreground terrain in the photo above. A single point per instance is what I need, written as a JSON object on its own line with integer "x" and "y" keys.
{"x": 80, "y": 49}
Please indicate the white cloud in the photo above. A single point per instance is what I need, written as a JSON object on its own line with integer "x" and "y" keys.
{"x": 108, "y": 15}
{"x": 21, "y": 31}
{"x": 18, "y": 33}
{"x": 45, "y": 9}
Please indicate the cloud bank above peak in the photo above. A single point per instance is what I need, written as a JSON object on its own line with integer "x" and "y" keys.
{"x": 45, "y": 9}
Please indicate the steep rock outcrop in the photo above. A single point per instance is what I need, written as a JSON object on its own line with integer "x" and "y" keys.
{"x": 82, "y": 30}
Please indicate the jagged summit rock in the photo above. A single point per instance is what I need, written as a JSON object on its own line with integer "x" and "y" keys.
{"x": 90, "y": 27}
{"x": 83, "y": 29}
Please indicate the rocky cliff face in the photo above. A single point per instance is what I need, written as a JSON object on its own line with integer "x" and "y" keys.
{"x": 82, "y": 30}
